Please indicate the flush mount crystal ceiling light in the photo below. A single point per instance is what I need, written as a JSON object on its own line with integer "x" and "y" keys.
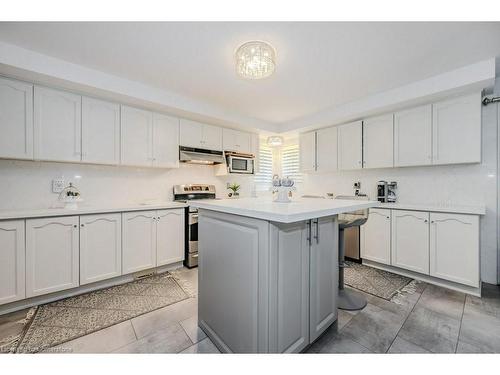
{"x": 274, "y": 140}
{"x": 255, "y": 60}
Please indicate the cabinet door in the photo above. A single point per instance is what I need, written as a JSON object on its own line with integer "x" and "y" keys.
{"x": 16, "y": 119}
{"x": 191, "y": 133}
{"x": 290, "y": 264}
{"x": 237, "y": 141}
{"x": 307, "y": 149}
{"x": 456, "y": 130}
{"x": 350, "y": 146}
{"x": 100, "y": 132}
{"x": 139, "y": 241}
{"x": 100, "y": 247}
{"x": 52, "y": 248}
{"x": 376, "y": 236}
{"x": 326, "y": 150}
{"x": 165, "y": 141}
{"x": 57, "y": 129}
{"x": 323, "y": 276}
{"x": 136, "y": 137}
{"x": 378, "y": 142}
{"x": 410, "y": 240}
{"x": 454, "y": 248}
{"x": 169, "y": 236}
{"x": 413, "y": 137}
{"x": 212, "y": 137}
{"x": 12, "y": 255}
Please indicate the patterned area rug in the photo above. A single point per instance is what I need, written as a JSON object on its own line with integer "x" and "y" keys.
{"x": 380, "y": 283}
{"x": 70, "y": 318}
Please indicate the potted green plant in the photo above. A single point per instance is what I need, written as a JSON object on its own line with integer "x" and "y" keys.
{"x": 234, "y": 187}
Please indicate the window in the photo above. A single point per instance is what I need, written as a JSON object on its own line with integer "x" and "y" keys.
{"x": 263, "y": 179}
{"x": 290, "y": 166}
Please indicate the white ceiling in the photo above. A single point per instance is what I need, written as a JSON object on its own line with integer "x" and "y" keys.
{"x": 319, "y": 65}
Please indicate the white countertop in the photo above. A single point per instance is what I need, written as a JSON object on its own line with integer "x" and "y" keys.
{"x": 297, "y": 210}
{"x": 85, "y": 210}
{"x": 455, "y": 209}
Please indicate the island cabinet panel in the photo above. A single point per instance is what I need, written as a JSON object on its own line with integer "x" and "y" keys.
{"x": 290, "y": 287}
{"x": 100, "y": 247}
{"x": 454, "y": 248}
{"x": 139, "y": 241}
{"x": 376, "y": 236}
{"x": 410, "y": 240}
{"x": 16, "y": 119}
{"x": 169, "y": 236}
{"x": 323, "y": 276}
{"x": 12, "y": 255}
{"x": 52, "y": 248}
{"x": 233, "y": 281}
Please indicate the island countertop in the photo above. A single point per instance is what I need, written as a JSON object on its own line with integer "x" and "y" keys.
{"x": 297, "y": 210}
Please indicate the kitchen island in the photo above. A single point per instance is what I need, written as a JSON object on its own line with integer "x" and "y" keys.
{"x": 268, "y": 272}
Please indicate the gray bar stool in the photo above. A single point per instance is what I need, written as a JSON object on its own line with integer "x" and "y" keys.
{"x": 349, "y": 299}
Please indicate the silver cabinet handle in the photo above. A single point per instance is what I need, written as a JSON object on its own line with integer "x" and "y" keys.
{"x": 309, "y": 231}
{"x": 316, "y": 237}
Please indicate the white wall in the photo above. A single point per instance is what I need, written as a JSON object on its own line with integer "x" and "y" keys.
{"x": 474, "y": 184}
{"x": 25, "y": 184}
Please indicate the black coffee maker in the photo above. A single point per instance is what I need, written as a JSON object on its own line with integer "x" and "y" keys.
{"x": 386, "y": 191}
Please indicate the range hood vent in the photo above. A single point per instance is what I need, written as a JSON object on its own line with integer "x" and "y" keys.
{"x": 200, "y": 156}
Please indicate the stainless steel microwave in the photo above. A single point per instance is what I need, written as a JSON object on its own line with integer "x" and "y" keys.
{"x": 240, "y": 163}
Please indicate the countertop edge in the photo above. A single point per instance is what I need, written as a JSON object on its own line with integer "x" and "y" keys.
{"x": 54, "y": 212}
{"x": 466, "y": 210}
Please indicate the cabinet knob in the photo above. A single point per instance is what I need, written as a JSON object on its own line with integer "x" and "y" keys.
{"x": 388, "y": 217}
{"x": 425, "y": 221}
{"x": 75, "y": 226}
{"x": 82, "y": 225}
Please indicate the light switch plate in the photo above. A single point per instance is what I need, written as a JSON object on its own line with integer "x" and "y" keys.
{"x": 58, "y": 185}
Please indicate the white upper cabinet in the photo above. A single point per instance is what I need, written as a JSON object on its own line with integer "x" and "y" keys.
{"x": 456, "y": 125}
{"x": 307, "y": 151}
{"x": 454, "y": 248}
{"x": 16, "y": 119}
{"x": 235, "y": 140}
{"x": 410, "y": 240}
{"x": 12, "y": 257}
{"x": 52, "y": 248}
{"x": 413, "y": 137}
{"x": 198, "y": 135}
{"x": 136, "y": 136}
{"x": 165, "y": 141}
{"x": 326, "y": 150}
{"x": 169, "y": 236}
{"x": 350, "y": 152}
{"x": 376, "y": 236}
{"x": 57, "y": 126}
{"x": 100, "y": 131}
{"x": 378, "y": 142}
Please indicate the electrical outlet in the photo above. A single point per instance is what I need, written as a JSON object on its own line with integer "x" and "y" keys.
{"x": 58, "y": 185}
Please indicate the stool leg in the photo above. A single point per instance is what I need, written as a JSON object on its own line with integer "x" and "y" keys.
{"x": 347, "y": 299}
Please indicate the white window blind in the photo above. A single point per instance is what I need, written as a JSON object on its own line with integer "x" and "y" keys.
{"x": 265, "y": 175}
{"x": 290, "y": 166}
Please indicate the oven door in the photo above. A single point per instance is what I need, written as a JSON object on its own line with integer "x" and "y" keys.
{"x": 240, "y": 165}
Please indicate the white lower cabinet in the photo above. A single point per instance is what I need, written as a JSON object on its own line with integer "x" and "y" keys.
{"x": 410, "y": 240}
{"x": 139, "y": 241}
{"x": 376, "y": 236}
{"x": 100, "y": 247}
{"x": 12, "y": 257}
{"x": 152, "y": 238}
{"x": 454, "y": 248}
{"x": 52, "y": 248}
{"x": 323, "y": 276}
{"x": 169, "y": 236}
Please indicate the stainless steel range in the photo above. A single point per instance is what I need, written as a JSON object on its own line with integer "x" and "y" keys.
{"x": 186, "y": 193}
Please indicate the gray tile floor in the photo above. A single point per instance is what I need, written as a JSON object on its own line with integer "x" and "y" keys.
{"x": 432, "y": 320}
